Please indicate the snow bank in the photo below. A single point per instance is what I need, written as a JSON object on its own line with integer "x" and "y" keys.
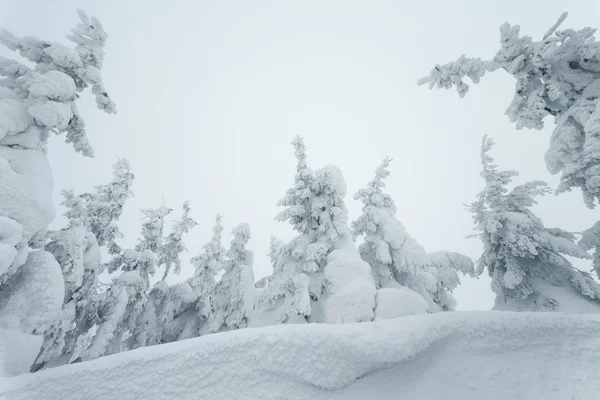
{"x": 460, "y": 355}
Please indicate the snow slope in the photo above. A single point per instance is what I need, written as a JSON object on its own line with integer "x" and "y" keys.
{"x": 461, "y": 355}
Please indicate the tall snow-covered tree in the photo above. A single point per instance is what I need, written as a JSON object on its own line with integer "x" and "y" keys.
{"x": 36, "y": 100}
{"x": 395, "y": 257}
{"x": 206, "y": 267}
{"x": 557, "y": 76}
{"x": 78, "y": 253}
{"x": 121, "y": 307}
{"x": 170, "y": 251}
{"x": 526, "y": 260}
{"x": 232, "y": 298}
{"x": 307, "y": 270}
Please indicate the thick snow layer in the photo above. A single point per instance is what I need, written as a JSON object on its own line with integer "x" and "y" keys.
{"x": 34, "y": 296}
{"x": 399, "y": 302}
{"x": 461, "y": 355}
{"x": 351, "y": 289}
{"x": 26, "y": 184}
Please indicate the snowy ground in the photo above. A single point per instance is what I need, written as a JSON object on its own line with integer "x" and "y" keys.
{"x": 461, "y": 355}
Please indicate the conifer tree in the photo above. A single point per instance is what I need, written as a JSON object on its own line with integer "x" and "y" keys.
{"x": 78, "y": 254}
{"x": 526, "y": 260}
{"x": 207, "y": 265}
{"x": 231, "y": 299}
{"x": 395, "y": 257}
{"x": 305, "y": 276}
{"x": 36, "y": 100}
{"x": 170, "y": 251}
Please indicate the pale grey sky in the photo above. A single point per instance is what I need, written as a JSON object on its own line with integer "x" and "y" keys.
{"x": 209, "y": 95}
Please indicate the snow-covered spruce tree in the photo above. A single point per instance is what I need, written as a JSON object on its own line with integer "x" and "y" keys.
{"x": 526, "y": 260}
{"x": 118, "y": 312}
{"x": 35, "y": 101}
{"x": 318, "y": 276}
{"x": 169, "y": 252}
{"x": 198, "y": 320}
{"x": 557, "y": 76}
{"x": 122, "y": 305}
{"x": 233, "y": 294}
{"x": 275, "y": 246}
{"x": 144, "y": 258}
{"x": 396, "y": 259}
{"x": 164, "y": 302}
{"x": 104, "y": 207}
{"x": 78, "y": 253}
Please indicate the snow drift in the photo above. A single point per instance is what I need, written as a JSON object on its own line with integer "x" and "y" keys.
{"x": 461, "y": 355}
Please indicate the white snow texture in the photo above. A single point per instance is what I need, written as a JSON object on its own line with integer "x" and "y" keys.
{"x": 459, "y": 355}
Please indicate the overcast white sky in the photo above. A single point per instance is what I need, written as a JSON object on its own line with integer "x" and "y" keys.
{"x": 209, "y": 95}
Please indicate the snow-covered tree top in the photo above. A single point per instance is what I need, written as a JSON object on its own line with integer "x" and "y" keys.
{"x": 372, "y": 194}
{"x": 211, "y": 259}
{"x": 173, "y": 246}
{"x": 105, "y": 206}
{"x": 47, "y": 91}
{"x": 238, "y": 252}
{"x": 297, "y": 198}
{"x": 496, "y": 194}
{"x": 152, "y": 228}
{"x": 558, "y": 76}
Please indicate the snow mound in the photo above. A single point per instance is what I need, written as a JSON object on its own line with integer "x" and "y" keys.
{"x": 460, "y": 355}
{"x": 351, "y": 289}
{"x": 399, "y": 302}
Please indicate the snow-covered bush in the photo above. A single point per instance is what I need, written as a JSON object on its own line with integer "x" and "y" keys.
{"x": 526, "y": 260}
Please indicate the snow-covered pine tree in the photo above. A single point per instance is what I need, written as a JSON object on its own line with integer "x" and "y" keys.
{"x": 526, "y": 260}
{"x": 394, "y": 256}
{"x": 233, "y": 295}
{"x": 35, "y": 101}
{"x": 308, "y": 269}
{"x": 275, "y": 246}
{"x": 156, "y": 322}
{"x": 121, "y": 306}
{"x": 206, "y": 267}
{"x": 118, "y": 312}
{"x": 182, "y": 311}
{"x": 169, "y": 252}
{"x": 78, "y": 253}
{"x": 143, "y": 258}
{"x": 557, "y": 76}
{"x": 104, "y": 207}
